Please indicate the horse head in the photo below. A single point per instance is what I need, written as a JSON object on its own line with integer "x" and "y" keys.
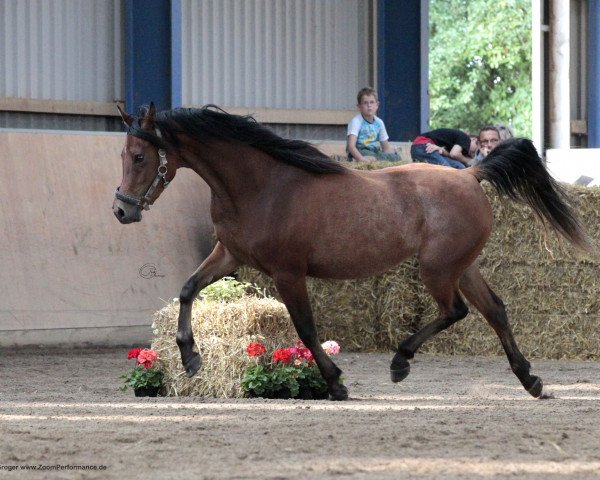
{"x": 146, "y": 172}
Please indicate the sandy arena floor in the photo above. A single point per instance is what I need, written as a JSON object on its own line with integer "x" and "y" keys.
{"x": 455, "y": 417}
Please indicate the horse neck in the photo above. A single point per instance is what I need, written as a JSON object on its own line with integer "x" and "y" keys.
{"x": 233, "y": 171}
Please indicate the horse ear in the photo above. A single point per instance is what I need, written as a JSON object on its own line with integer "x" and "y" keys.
{"x": 148, "y": 120}
{"x": 127, "y": 119}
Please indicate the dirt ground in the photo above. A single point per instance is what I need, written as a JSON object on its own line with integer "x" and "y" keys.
{"x": 453, "y": 417}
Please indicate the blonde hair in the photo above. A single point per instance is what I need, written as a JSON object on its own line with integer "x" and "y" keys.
{"x": 504, "y": 131}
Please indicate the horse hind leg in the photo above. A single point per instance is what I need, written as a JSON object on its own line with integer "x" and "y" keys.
{"x": 452, "y": 308}
{"x": 477, "y": 291}
{"x": 218, "y": 264}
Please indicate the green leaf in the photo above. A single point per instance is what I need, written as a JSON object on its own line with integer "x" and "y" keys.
{"x": 228, "y": 289}
{"x": 140, "y": 377}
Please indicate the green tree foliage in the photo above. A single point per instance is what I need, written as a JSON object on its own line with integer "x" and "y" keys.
{"x": 480, "y": 64}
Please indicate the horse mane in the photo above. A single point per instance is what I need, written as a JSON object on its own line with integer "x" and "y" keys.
{"x": 212, "y": 123}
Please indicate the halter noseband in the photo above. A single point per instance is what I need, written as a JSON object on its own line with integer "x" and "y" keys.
{"x": 144, "y": 201}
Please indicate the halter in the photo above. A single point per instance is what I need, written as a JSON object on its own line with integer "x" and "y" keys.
{"x": 144, "y": 201}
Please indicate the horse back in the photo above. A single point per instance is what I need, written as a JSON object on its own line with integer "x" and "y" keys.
{"x": 456, "y": 214}
{"x": 359, "y": 223}
{"x": 366, "y": 222}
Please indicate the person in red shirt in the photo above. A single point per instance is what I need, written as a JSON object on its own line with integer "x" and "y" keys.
{"x": 444, "y": 146}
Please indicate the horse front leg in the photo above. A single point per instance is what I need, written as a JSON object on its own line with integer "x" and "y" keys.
{"x": 295, "y": 296}
{"x": 218, "y": 264}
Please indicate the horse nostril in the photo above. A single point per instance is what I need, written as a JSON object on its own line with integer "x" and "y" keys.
{"x": 120, "y": 213}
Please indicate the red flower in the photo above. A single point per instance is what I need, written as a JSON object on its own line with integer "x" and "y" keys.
{"x": 255, "y": 349}
{"x": 283, "y": 355}
{"x": 147, "y": 356}
{"x": 303, "y": 352}
{"x": 133, "y": 353}
{"x": 147, "y": 364}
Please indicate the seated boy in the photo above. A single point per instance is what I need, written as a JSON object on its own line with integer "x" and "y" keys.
{"x": 367, "y": 136}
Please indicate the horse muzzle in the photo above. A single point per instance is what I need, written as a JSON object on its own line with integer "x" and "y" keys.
{"x": 126, "y": 213}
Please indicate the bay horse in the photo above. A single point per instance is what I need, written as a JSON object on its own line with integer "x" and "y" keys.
{"x": 286, "y": 209}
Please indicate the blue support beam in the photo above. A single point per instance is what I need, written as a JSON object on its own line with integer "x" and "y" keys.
{"x": 153, "y": 53}
{"x": 176, "y": 81}
{"x": 593, "y": 104}
{"x": 402, "y": 67}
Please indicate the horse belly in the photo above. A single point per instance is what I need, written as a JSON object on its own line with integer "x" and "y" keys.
{"x": 347, "y": 270}
{"x": 362, "y": 252}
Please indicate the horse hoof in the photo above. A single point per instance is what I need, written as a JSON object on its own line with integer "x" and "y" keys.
{"x": 192, "y": 365}
{"x": 536, "y": 389}
{"x": 399, "y": 374}
{"x": 340, "y": 394}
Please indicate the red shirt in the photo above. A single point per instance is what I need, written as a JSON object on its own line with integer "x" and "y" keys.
{"x": 420, "y": 140}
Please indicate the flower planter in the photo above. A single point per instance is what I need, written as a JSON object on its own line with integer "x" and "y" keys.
{"x": 146, "y": 391}
{"x": 320, "y": 395}
{"x": 305, "y": 393}
{"x": 287, "y": 373}
{"x": 145, "y": 373}
{"x": 284, "y": 394}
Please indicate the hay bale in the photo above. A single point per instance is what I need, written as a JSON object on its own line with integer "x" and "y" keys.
{"x": 340, "y": 308}
{"x": 551, "y": 291}
{"x": 222, "y": 331}
{"x": 363, "y": 315}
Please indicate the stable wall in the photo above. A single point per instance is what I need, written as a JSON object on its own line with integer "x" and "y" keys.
{"x": 70, "y": 272}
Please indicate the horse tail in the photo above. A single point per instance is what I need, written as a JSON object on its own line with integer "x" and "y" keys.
{"x": 515, "y": 169}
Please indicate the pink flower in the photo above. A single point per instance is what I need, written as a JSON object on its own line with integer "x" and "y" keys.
{"x": 255, "y": 349}
{"x": 146, "y": 357}
{"x": 331, "y": 347}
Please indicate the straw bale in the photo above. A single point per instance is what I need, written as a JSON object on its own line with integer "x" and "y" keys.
{"x": 222, "y": 331}
{"x": 538, "y": 336}
{"x": 401, "y": 304}
{"x": 559, "y": 288}
{"x": 343, "y": 310}
{"x": 365, "y": 314}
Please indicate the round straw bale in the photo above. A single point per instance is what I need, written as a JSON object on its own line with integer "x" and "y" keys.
{"x": 222, "y": 331}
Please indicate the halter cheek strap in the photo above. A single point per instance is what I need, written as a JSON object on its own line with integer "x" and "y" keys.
{"x": 144, "y": 201}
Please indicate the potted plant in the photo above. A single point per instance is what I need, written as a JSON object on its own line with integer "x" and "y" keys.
{"x": 145, "y": 378}
{"x": 286, "y": 373}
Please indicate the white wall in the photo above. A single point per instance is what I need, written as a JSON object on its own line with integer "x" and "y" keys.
{"x": 567, "y": 165}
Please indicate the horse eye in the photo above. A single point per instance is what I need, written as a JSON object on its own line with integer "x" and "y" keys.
{"x": 139, "y": 158}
